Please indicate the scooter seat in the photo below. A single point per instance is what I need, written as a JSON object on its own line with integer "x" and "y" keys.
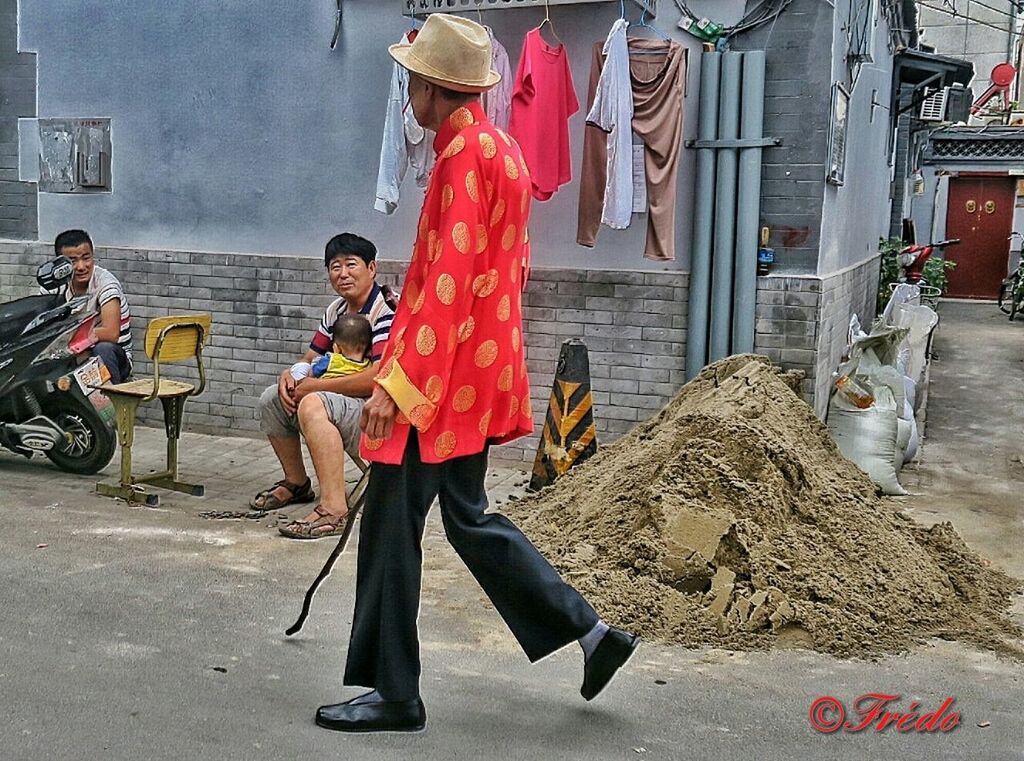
{"x": 15, "y": 315}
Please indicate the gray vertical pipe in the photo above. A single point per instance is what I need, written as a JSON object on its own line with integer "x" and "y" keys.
{"x": 703, "y": 222}
{"x": 725, "y": 208}
{"x": 749, "y": 201}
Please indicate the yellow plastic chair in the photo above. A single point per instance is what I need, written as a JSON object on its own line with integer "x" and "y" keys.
{"x": 168, "y": 340}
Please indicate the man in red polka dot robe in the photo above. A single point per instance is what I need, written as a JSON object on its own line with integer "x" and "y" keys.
{"x": 452, "y": 382}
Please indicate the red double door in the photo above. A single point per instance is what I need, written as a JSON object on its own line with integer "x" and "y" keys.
{"x": 980, "y": 214}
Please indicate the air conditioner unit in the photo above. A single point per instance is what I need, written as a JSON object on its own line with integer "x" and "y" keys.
{"x": 933, "y": 107}
{"x": 958, "y": 104}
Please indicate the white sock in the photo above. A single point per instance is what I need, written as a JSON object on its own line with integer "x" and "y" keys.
{"x": 590, "y": 640}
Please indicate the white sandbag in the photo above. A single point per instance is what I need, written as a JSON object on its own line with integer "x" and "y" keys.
{"x": 921, "y": 321}
{"x": 853, "y": 332}
{"x": 910, "y": 392}
{"x": 904, "y": 293}
{"x": 914, "y": 444}
{"x": 891, "y": 378}
{"x": 903, "y": 431}
{"x": 868, "y": 438}
{"x": 907, "y": 438}
{"x": 881, "y": 346}
{"x": 904, "y": 359}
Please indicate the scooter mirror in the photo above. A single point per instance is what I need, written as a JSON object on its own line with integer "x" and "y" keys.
{"x": 53, "y": 274}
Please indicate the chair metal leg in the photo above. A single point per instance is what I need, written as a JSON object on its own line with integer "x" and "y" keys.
{"x": 173, "y": 407}
{"x": 125, "y": 408}
{"x": 129, "y": 493}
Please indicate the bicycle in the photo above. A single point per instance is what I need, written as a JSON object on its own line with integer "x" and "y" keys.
{"x": 1011, "y": 291}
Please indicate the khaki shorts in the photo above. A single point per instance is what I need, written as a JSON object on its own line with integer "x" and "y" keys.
{"x": 343, "y": 411}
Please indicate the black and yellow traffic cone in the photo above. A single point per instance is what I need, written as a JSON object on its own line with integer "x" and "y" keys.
{"x": 569, "y": 434}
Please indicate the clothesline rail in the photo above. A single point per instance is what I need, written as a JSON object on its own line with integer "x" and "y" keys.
{"x": 424, "y": 7}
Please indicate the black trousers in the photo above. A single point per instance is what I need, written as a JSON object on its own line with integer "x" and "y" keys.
{"x": 543, "y": 612}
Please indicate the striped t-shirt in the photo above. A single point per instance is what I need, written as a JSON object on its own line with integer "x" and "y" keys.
{"x": 377, "y": 311}
{"x": 103, "y": 287}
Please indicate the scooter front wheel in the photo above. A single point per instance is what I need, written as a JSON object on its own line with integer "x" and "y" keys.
{"x": 92, "y": 443}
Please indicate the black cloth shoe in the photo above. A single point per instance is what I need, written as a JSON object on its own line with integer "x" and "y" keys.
{"x": 615, "y": 648}
{"x": 386, "y": 716}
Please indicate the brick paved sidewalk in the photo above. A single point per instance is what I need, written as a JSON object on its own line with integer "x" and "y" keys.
{"x": 232, "y": 470}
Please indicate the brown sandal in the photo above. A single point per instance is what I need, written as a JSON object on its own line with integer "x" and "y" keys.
{"x": 331, "y": 524}
{"x": 265, "y": 501}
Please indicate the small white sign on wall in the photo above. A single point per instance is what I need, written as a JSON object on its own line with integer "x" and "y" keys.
{"x": 28, "y": 150}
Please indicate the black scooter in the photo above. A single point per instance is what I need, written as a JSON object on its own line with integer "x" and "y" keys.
{"x": 48, "y": 400}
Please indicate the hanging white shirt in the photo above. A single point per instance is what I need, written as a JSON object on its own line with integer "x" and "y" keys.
{"x": 613, "y": 112}
{"x": 405, "y": 144}
{"x": 498, "y": 100}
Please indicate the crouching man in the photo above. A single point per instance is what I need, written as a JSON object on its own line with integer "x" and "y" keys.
{"x": 106, "y": 298}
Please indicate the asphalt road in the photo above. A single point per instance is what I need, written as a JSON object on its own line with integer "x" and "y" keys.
{"x": 140, "y": 633}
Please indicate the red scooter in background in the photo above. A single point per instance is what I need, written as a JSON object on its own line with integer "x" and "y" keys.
{"x": 911, "y": 261}
{"x": 913, "y": 258}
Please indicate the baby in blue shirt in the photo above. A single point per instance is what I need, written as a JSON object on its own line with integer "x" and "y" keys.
{"x": 352, "y": 335}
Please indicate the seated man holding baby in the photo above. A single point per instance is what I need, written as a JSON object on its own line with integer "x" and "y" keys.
{"x": 322, "y": 396}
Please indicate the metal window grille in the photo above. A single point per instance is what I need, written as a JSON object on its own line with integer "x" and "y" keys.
{"x": 968, "y": 149}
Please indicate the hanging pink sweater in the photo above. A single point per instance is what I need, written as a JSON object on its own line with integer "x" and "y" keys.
{"x": 543, "y": 100}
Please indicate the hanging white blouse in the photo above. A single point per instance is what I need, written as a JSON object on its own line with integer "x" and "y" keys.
{"x": 613, "y": 112}
{"x": 405, "y": 144}
{"x": 498, "y": 100}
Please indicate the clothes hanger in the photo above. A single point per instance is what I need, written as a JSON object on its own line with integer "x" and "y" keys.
{"x": 547, "y": 21}
{"x": 643, "y": 24}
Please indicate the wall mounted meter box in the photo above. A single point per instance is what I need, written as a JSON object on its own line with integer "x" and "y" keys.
{"x": 74, "y": 156}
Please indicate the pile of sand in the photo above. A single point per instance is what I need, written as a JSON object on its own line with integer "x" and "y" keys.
{"x": 731, "y": 520}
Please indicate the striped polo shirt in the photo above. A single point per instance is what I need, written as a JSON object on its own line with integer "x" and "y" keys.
{"x": 377, "y": 311}
{"x": 103, "y": 287}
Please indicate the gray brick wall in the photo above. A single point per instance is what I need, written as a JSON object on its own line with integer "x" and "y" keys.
{"x": 803, "y": 321}
{"x": 786, "y": 328}
{"x": 265, "y": 308}
{"x": 18, "y": 207}
{"x": 634, "y": 324}
{"x": 797, "y": 101}
{"x": 844, "y": 293}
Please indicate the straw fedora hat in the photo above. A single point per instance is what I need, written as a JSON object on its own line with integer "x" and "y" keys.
{"x": 450, "y": 51}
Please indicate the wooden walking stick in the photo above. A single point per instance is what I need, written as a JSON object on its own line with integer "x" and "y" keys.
{"x": 356, "y": 503}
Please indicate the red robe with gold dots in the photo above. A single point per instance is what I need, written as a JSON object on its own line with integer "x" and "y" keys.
{"x": 455, "y": 364}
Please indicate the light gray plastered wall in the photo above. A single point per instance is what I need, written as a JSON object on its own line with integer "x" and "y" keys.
{"x": 929, "y": 209}
{"x": 856, "y": 214}
{"x": 236, "y": 128}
